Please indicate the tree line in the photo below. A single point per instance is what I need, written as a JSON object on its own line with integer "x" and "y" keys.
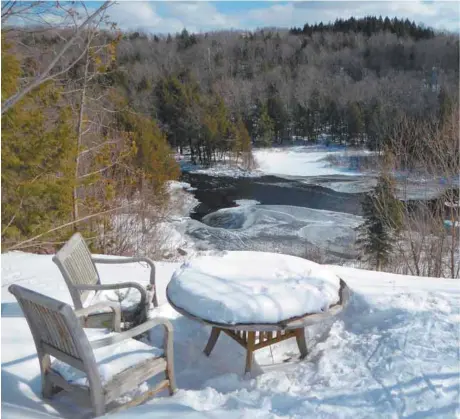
{"x": 370, "y": 25}
{"x": 344, "y": 85}
{"x": 97, "y": 130}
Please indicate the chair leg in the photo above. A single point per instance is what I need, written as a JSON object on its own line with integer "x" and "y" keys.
{"x": 169, "y": 373}
{"x": 96, "y": 393}
{"x": 98, "y": 404}
{"x": 47, "y": 384}
{"x": 47, "y": 387}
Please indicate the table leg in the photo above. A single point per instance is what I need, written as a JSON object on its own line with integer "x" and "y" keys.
{"x": 251, "y": 342}
{"x": 300, "y": 337}
{"x": 215, "y": 332}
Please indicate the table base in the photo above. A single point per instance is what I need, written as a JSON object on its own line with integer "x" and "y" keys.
{"x": 254, "y": 340}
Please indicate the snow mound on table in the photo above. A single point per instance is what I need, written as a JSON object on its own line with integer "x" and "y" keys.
{"x": 252, "y": 287}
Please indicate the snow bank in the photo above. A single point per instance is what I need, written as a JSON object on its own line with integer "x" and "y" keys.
{"x": 252, "y": 287}
{"x": 392, "y": 353}
{"x": 303, "y": 161}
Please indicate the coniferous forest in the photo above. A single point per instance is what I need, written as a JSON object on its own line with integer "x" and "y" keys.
{"x": 102, "y": 129}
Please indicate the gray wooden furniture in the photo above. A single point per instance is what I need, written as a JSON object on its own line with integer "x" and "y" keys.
{"x": 256, "y": 336}
{"x": 57, "y": 331}
{"x": 78, "y": 267}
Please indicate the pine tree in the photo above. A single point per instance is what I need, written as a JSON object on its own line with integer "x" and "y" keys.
{"x": 242, "y": 144}
{"x": 355, "y": 121}
{"x": 38, "y": 144}
{"x": 382, "y": 212}
{"x": 265, "y": 130}
{"x": 277, "y": 113}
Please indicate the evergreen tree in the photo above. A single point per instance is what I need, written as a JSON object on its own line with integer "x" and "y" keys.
{"x": 38, "y": 145}
{"x": 242, "y": 145}
{"x": 355, "y": 122}
{"x": 265, "y": 130}
{"x": 277, "y": 113}
{"x": 382, "y": 212}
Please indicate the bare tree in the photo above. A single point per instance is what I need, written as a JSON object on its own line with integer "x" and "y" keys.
{"x": 427, "y": 155}
{"x": 47, "y": 73}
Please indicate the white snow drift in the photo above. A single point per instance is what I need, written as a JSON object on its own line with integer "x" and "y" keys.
{"x": 393, "y": 353}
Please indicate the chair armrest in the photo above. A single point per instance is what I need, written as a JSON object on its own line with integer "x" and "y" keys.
{"x": 133, "y": 260}
{"x": 81, "y": 312}
{"x": 149, "y": 324}
{"x": 102, "y": 287}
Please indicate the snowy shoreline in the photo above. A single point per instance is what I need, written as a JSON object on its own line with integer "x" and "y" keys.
{"x": 304, "y": 161}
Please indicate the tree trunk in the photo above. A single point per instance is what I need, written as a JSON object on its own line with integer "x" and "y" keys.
{"x": 79, "y": 141}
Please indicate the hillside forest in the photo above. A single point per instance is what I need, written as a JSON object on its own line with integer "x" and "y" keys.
{"x": 101, "y": 133}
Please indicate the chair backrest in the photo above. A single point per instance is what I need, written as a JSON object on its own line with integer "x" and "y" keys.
{"x": 56, "y": 329}
{"x": 77, "y": 267}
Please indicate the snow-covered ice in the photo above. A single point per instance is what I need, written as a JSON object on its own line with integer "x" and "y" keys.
{"x": 252, "y": 287}
{"x": 276, "y": 228}
{"x": 246, "y": 202}
{"x": 392, "y": 353}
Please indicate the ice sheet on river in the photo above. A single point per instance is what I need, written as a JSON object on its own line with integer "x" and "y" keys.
{"x": 277, "y": 228}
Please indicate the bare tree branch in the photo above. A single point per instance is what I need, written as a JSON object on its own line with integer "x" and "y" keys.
{"x": 45, "y": 75}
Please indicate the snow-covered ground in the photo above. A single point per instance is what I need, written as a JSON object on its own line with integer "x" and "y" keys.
{"x": 393, "y": 353}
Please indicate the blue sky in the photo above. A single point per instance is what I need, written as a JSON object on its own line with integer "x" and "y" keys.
{"x": 201, "y": 16}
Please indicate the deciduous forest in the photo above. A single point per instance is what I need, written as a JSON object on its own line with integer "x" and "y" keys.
{"x": 101, "y": 130}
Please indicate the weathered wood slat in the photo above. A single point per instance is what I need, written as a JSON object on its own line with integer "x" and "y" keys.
{"x": 68, "y": 359}
{"x": 235, "y": 337}
{"x": 132, "y": 377}
{"x": 279, "y": 338}
{"x": 257, "y": 340}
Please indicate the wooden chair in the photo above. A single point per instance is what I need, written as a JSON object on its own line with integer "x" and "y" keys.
{"x": 78, "y": 267}
{"x": 101, "y": 370}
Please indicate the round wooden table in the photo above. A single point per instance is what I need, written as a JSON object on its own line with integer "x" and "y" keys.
{"x": 254, "y": 336}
